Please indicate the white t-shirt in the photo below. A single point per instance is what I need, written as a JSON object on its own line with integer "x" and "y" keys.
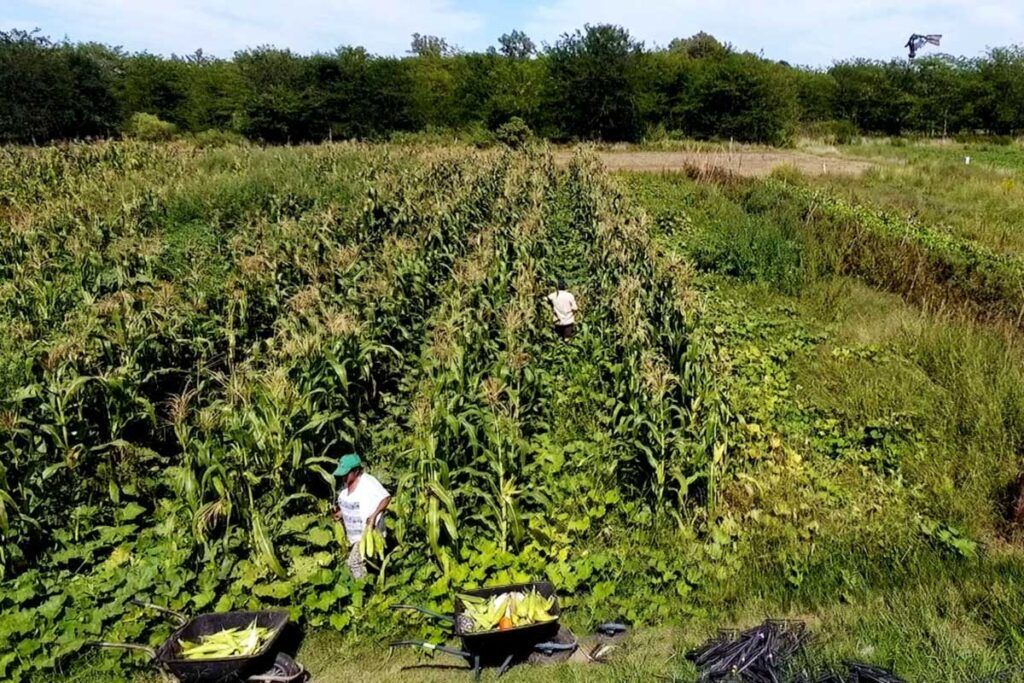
{"x": 359, "y": 504}
{"x": 564, "y": 305}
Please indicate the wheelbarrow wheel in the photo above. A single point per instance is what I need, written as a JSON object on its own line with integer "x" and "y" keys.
{"x": 284, "y": 670}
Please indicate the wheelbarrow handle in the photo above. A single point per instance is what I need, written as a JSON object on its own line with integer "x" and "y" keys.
{"x": 430, "y": 613}
{"x": 551, "y": 648}
{"x": 431, "y": 646}
{"x": 612, "y": 628}
{"x": 128, "y": 646}
{"x": 182, "y": 619}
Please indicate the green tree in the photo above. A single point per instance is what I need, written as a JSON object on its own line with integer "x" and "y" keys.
{"x": 278, "y": 101}
{"x": 142, "y": 126}
{"x": 815, "y": 94}
{"x": 700, "y": 46}
{"x": 472, "y": 85}
{"x": 93, "y": 107}
{"x": 155, "y": 85}
{"x": 741, "y": 96}
{"x": 595, "y": 83}
{"x": 360, "y": 96}
{"x": 516, "y": 88}
{"x": 430, "y": 46}
{"x": 592, "y": 81}
{"x": 55, "y": 90}
{"x": 1001, "y": 77}
{"x": 390, "y": 106}
{"x": 434, "y": 86}
{"x": 214, "y": 93}
{"x": 516, "y": 45}
{"x": 868, "y": 95}
{"x": 514, "y": 133}
{"x": 655, "y": 79}
{"x": 942, "y": 96}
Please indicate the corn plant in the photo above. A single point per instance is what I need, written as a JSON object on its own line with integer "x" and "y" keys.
{"x": 207, "y": 330}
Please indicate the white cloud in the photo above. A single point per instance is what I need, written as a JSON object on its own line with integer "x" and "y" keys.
{"x": 223, "y": 26}
{"x": 801, "y": 31}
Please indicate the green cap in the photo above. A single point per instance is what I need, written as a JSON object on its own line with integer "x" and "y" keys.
{"x": 346, "y": 464}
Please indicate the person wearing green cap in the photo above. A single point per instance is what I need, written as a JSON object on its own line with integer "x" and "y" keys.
{"x": 361, "y": 504}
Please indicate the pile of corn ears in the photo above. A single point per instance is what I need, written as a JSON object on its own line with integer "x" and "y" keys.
{"x": 231, "y": 642}
{"x": 507, "y": 610}
{"x": 372, "y": 544}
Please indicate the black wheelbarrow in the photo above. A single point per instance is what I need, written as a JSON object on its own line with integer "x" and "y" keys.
{"x": 266, "y": 665}
{"x": 498, "y": 647}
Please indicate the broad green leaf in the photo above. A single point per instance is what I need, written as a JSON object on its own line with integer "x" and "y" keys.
{"x": 277, "y": 590}
{"x": 130, "y": 511}
{"x": 298, "y": 523}
{"x": 201, "y": 600}
{"x": 320, "y": 537}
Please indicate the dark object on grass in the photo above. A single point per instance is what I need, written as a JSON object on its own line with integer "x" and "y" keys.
{"x": 284, "y": 670}
{"x": 265, "y": 662}
{"x": 560, "y": 648}
{"x": 767, "y": 654}
{"x": 917, "y": 41}
{"x": 612, "y": 628}
{"x": 757, "y": 655}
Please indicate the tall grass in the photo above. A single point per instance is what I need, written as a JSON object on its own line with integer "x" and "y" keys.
{"x": 885, "y": 431}
{"x": 933, "y": 186}
{"x": 956, "y": 383}
{"x": 789, "y": 235}
{"x": 956, "y": 379}
{"x": 993, "y": 153}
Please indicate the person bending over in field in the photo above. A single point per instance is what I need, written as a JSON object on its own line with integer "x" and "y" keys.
{"x": 563, "y": 305}
{"x": 361, "y": 504}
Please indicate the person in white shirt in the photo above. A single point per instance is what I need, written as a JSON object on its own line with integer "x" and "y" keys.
{"x": 361, "y": 504}
{"x": 563, "y": 305}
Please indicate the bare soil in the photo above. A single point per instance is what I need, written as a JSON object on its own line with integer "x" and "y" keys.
{"x": 744, "y": 163}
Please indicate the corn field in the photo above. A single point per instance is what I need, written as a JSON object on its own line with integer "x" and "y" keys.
{"x": 194, "y": 336}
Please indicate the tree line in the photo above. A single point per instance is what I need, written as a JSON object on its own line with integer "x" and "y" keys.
{"x": 595, "y": 83}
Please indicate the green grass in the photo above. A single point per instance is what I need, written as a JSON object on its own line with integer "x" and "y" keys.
{"x": 992, "y": 154}
{"x": 953, "y": 385}
{"x": 779, "y": 230}
{"x": 974, "y": 203}
{"x": 982, "y": 202}
{"x": 887, "y": 420}
{"x": 944, "y": 628}
{"x": 957, "y": 384}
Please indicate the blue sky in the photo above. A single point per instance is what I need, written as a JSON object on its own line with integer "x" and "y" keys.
{"x": 813, "y": 32}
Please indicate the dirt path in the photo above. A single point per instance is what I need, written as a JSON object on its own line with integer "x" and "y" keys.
{"x": 745, "y": 163}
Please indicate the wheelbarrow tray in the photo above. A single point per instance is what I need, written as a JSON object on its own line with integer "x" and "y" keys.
{"x": 519, "y": 639}
{"x": 169, "y": 656}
